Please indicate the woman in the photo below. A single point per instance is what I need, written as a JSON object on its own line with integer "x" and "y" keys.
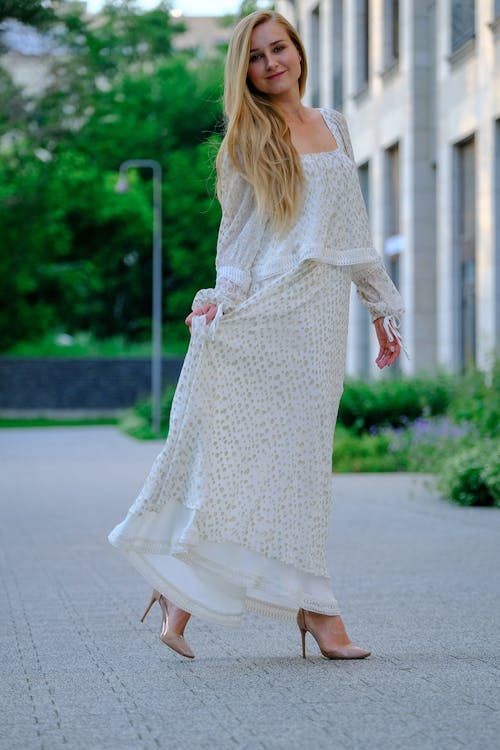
{"x": 235, "y": 511}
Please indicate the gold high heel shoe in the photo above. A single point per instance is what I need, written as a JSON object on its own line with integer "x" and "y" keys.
{"x": 341, "y": 652}
{"x": 174, "y": 640}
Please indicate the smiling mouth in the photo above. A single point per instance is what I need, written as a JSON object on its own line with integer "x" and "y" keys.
{"x": 276, "y": 75}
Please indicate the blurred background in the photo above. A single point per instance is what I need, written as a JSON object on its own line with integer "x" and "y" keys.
{"x": 418, "y": 81}
{"x": 86, "y": 86}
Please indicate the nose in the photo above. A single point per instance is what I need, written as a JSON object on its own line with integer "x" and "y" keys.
{"x": 270, "y": 62}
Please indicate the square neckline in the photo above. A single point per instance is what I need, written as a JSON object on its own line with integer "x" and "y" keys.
{"x": 334, "y": 134}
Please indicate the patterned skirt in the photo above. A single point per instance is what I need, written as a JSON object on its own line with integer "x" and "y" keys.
{"x": 235, "y": 512}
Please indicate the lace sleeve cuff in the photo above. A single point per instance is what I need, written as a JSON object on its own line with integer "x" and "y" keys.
{"x": 379, "y": 295}
{"x": 376, "y": 290}
{"x": 230, "y": 290}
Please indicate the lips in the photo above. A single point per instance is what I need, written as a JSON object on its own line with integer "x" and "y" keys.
{"x": 276, "y": 75}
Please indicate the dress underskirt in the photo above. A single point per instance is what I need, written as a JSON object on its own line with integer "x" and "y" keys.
{"x": 218, "y": 581}
{"x": 217, "y": 569}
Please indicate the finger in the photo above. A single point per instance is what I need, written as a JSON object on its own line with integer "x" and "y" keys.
{"x": 392, "y": 357}
{"x": 385, "y": 358}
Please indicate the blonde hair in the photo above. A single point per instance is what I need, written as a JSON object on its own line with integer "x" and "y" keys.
{"x": 258, "y": 140}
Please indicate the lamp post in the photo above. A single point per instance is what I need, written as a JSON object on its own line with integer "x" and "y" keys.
{"x": 122, "y": 187}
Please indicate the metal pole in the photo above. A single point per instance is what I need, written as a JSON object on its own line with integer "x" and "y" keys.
{"x": 157, "y": 301}
{"x": 156, "y": 285}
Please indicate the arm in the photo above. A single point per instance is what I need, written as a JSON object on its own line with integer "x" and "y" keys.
{"x": 236, "y": 246}
{"x": 376, "y": 289}
{"x": 383, "y": 301}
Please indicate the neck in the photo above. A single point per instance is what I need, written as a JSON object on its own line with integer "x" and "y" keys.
{"x": 291, "y": 107}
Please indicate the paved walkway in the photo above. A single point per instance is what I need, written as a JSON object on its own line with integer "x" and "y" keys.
{"x": 417, "y": 579}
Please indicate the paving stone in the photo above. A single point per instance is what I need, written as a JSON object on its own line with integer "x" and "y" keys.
{"x": 414, "y": 575}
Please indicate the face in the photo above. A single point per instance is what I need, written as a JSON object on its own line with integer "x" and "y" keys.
{"x": 274, "y": 62}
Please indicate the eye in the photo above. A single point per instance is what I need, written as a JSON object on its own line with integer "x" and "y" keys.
{"x": 279, "y": 47}
{"x": 254, "y": 58}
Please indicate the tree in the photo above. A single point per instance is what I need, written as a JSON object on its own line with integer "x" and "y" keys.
{"x": 247, "y": 7}
{"x": 33, "y": 12}
{"x": 79, "y": 255}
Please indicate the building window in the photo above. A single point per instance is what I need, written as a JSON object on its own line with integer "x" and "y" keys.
{"x": 393, "y": 245}
{"x": 363, "y": 365}
{"x": 362, "y": 42}
{"x": 463, "y": 25}
{"x": 496, "y": 234}
{"x": 315, "y": 42}
{"x": 391, "y": 32}
{"x": 338, "y": 53}
{"x": 465, "y": 250}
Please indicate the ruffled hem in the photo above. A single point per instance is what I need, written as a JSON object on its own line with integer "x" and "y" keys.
{"x": 331, "y": 256}
{"x": 218, "y": 581}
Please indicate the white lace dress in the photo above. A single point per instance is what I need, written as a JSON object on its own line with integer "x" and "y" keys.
{"x": 234, "y": 514}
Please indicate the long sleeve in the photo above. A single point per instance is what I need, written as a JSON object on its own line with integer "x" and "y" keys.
{"x": 377, "y": 292}
{"x": 374, "y": 286}
{"x": 236, "y": 245}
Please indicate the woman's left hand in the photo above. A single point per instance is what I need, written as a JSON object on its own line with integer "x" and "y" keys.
{"x": 389, "y": 350}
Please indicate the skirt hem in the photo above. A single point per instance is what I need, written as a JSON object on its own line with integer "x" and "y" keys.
{"x": 249, "y": 602}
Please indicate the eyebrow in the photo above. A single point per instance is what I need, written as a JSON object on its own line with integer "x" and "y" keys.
{"x": 270, "y": 45}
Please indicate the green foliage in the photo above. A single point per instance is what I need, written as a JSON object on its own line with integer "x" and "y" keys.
{"x": 471, "y": 476}
{"x": 137, "y": 421}
{"x": 47, "y": 422}
{"x": 33, "y": 12}
{"x": 79, "y": 255}
{"x": 365, "y": 405}
{"x": 359, "y": 453}
{"x": 82, "y": 344}
{"x": 478, "y": 401}
{"x": 246, "y": 7}
{"x": 461, "y": 446}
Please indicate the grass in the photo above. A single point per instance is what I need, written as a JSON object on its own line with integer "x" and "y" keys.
{"x": 47, "y": 422}
{"x": 83, "y": 344}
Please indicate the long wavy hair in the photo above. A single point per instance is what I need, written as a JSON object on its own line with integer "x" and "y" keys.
{"x": 258, "y": 140}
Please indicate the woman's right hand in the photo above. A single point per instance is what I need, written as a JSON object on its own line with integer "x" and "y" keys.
{"x": 209, "y": 310}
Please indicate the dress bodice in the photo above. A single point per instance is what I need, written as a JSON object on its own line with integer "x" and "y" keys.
{"x": 332, "y": 227}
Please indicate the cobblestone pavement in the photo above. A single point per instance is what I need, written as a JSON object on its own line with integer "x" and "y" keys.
{"x": 416, "y": 577}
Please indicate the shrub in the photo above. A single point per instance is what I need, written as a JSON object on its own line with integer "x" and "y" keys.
{"x": 136, "y": 421}
{"x": 425, "y": 444}
{"x": 365, "y": 452}
{"x": 394, "y": 402}
{"x": 472, "y": 475}
{"x": 477, "y": 400}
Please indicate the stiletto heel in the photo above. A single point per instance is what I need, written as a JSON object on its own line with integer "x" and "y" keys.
{"x": 175, "y": 641}
{"x": 155, "y": 597}
{"x": 350, "y": 651}
{"x": 303, "y": 630}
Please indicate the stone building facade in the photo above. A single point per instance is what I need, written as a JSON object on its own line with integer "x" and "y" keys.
{"x": 418, "y": 81}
